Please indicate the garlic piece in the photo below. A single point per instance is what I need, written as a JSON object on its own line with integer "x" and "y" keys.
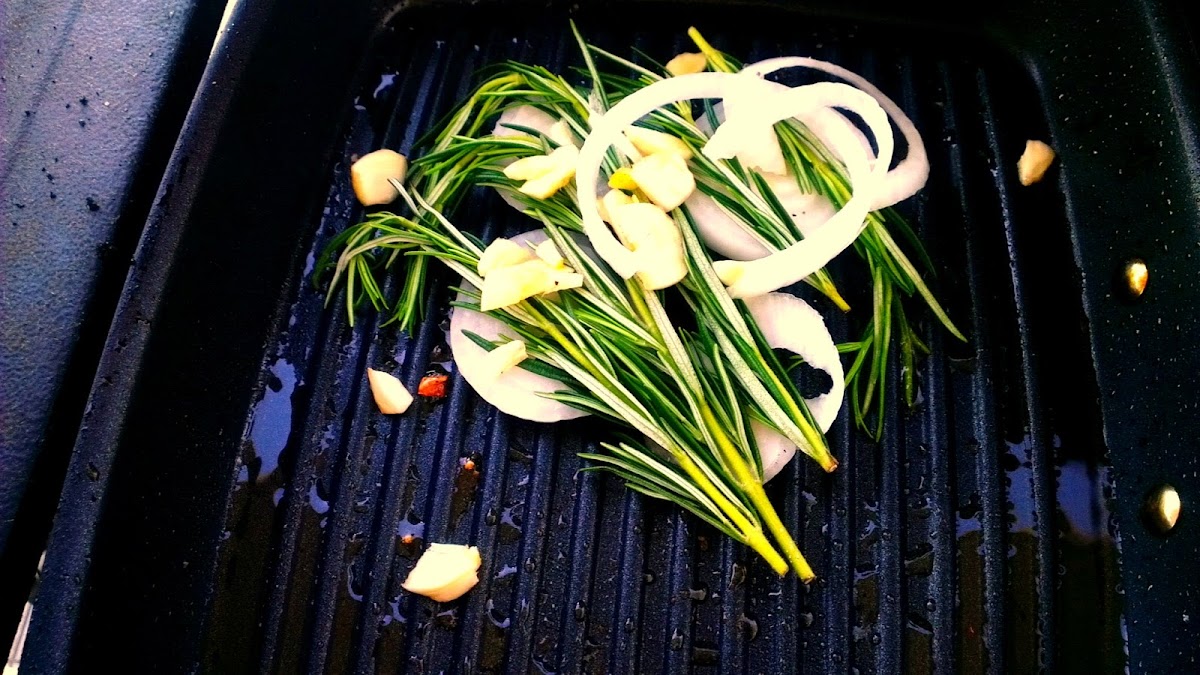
{"x": 444, "y": 572}
{"x": 548, "y": 251}
{"x": 528, "y": 168}
{"x": 389, "y": 392}
{"x": 502, "y": 358}
{"x": 651, "y": 142}
{"x": 543, "y": 187}
{"x": 610, "y": 201}
{"x": 622, "y": 179}
{"x": 507, "y": 286}
{"x": 563, "y": 280}
{"x": 502, "y": 253}
{"x": 652, "y": 236}
{"x": 686, "y": 64}
{"x": 665, "y": 179}
{"x": 370, "y": 174}
{"x": 1034, "y": 161}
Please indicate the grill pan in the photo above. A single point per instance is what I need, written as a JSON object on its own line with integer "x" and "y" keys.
{"x": 235, "y": 504}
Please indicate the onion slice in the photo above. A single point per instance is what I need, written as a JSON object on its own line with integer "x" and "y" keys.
{"x": 788, "y": 322}
{"x": 839, "y": 232}
{"x": 527, "y": 116}
{"x": 517, "y": 391}
{"x": 912, "y": 172}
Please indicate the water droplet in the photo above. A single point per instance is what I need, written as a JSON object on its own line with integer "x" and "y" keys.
{"x": 491, "y": 517}
{"x": 737, "y": 575}
{"x": 747, "y": 627}
{"x": 511, "y": 520}
{"x": 580, "y": 611}
{"x": 498, "y": 619}
{"x": 316, "y": 500}
{"x": 92, "y": 472}
{"x": 697, "y": 594}
{"x": 530, "y": 565}
{"x": 447, "y": 619}
{"x": 676, "y": 640}
{"x": 629, "y": 625}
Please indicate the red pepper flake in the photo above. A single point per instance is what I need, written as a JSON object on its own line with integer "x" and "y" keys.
{"x": 432, "y": 386}
{"x": 407, "y": 539}
{"x": 469, "y": 465}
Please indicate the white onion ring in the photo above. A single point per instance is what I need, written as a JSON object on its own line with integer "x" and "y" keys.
{"x": 788, "y": 322}
{"x": 912, "y": 172}
{"x": 774, "y": 449}
{"x": 517, "y": 390}
{"x": 839, "y": 232}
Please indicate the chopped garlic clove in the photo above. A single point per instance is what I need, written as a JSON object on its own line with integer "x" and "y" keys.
{"x": 665, "y": 179}
{"x": 389, "y": 392}
{"x": 650, "y": 233}
{"x": 369, "y": 176}
{"x": 687, "y": 63}
{"x": 545, "y": 186}
{"x": 502, "y": 253}
{"x": 621, "y": 179}
{"x": 548, "y": 252}
{"x": 502, "y": 358}
{"x": 509, "y": 285}
{"x": 611, "y": 201}
{"x": 444, "y": 572}
{"x": 651, "y": 142}
{"x": 1034, "y": 161}
{"x": 529, "y": 168}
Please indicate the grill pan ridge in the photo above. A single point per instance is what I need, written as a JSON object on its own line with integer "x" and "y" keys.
{"x": 976, "y": 537}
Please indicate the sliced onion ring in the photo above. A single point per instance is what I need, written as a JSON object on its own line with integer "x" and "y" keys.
{"x": 516, "y": 391}
{"x": 912, "y": 172}
{"x": 788, "y": 322}
{"x": 809, "y": 255}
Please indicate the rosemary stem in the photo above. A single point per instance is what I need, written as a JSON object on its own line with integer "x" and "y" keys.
{"x": 755, "y": 538}
{"x": 750, "y": 485}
